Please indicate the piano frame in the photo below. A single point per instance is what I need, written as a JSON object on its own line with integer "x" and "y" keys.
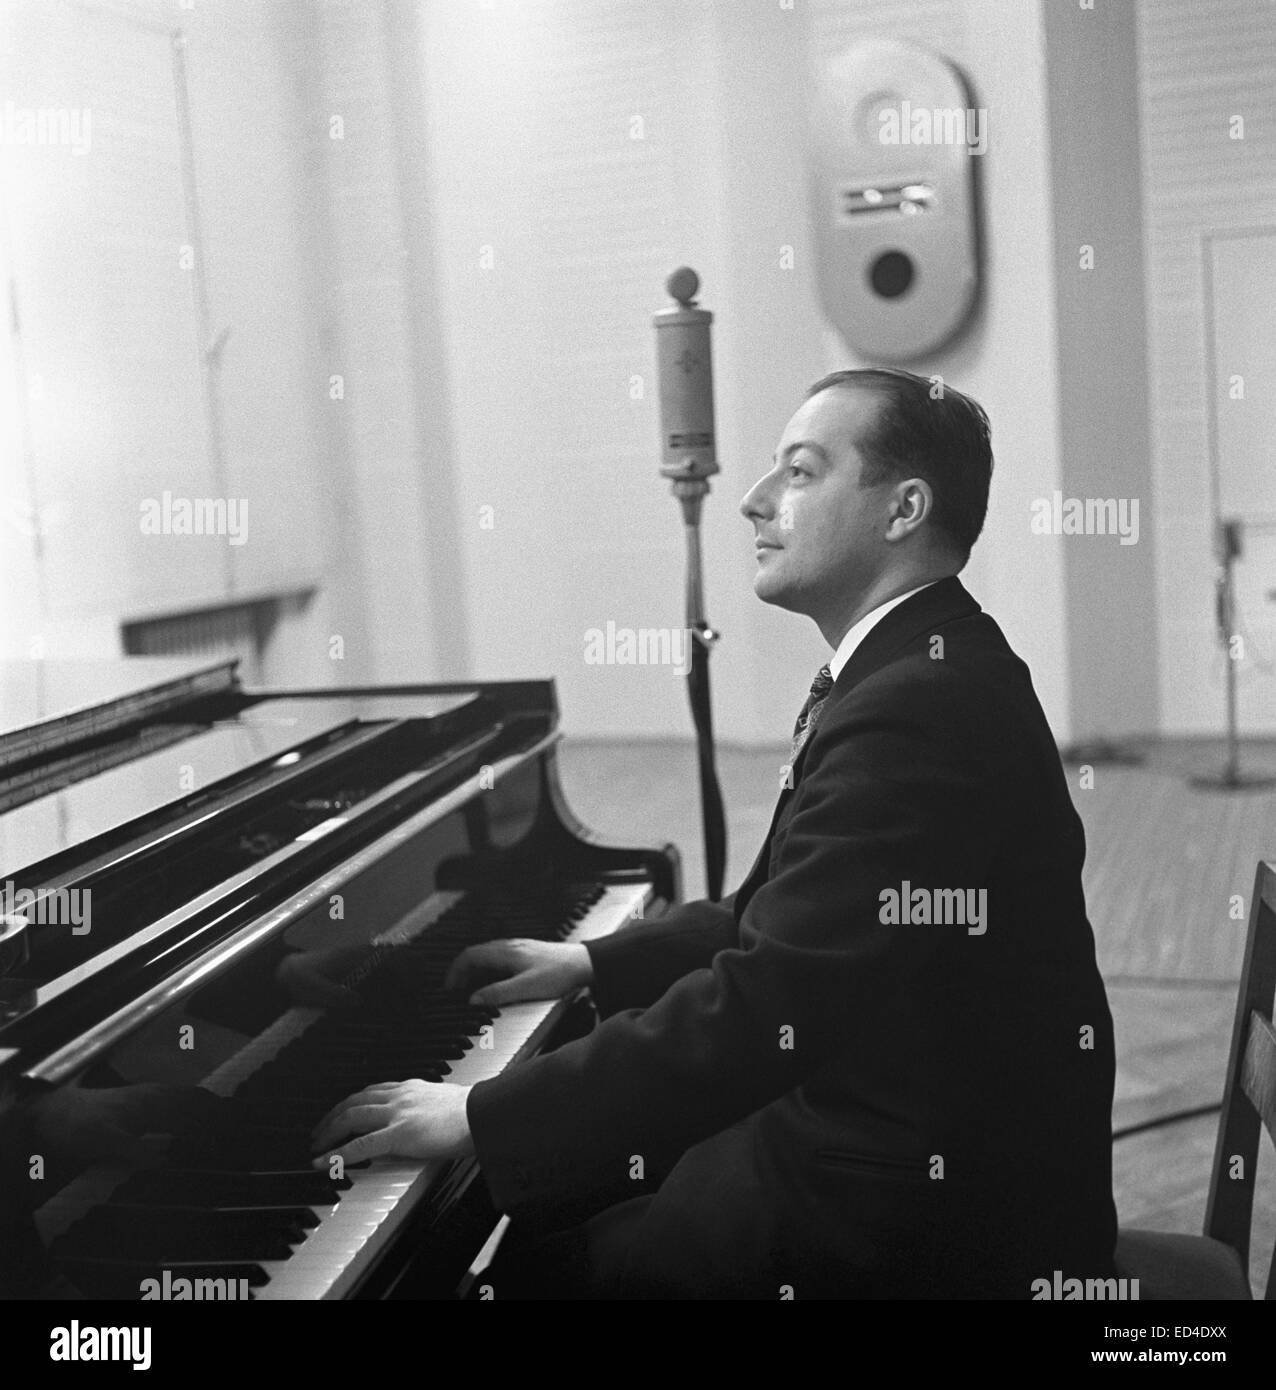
{"x": 500, "y": 734}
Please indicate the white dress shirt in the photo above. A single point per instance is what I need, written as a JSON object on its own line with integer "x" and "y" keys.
{"x": 865, "y": 625}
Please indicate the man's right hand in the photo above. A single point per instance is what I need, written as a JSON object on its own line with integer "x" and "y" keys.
{"x": 527, "y": 969}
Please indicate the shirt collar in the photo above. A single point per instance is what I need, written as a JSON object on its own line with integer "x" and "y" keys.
{"x": 846, "y": 647}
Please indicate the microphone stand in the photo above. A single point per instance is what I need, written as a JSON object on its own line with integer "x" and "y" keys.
{"x": 1230, "y": 777}
{"x": 686, "y": 400}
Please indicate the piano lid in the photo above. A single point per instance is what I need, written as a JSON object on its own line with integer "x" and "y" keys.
{"x": 170, "y": 846}
{"x": 200, "y": 758}
{"x": 48, "y": 704}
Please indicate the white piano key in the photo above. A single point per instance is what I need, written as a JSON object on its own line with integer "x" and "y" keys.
{"x": 331, "y": 1267}
{"x": 350, "y": 1236}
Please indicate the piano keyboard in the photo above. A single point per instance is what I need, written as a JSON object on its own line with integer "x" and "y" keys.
{"x": 241, "y": 1201}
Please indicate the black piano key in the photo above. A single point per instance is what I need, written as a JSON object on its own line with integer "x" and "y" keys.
{"x": 424, "y": 1011}
{"x": 348, "y": 1059}
{"x": 190, "y": 1234}
{"x": 353, "y": 1051}
{"x": 250, "y": 1148}
{"x": 158, "y": 1243}
{"x": 288, "y": 1094}
{"x": 237, "y": 1186}
{"x": 204, "y": 1187}
{"x": 180, "y": 1220}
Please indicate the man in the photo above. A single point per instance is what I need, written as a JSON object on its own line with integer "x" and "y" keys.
{"x": 884, "y": 1067}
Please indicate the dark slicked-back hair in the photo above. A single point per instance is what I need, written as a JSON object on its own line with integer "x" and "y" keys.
{"x": 925, "y": 429}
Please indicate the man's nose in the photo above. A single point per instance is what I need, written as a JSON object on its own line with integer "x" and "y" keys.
{"x": 756, "y": 505}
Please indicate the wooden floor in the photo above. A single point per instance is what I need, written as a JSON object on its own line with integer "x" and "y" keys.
{"x": 1164, "y": 863}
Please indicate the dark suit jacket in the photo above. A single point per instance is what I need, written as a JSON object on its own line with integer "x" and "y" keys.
{"x": 826, "y": 1100}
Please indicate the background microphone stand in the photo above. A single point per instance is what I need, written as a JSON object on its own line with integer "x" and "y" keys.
{"x": 1230, "y": 777}
{"x": 685, "y": 371}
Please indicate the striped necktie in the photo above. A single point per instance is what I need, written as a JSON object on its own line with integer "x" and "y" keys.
{"x": 811, "y": 711}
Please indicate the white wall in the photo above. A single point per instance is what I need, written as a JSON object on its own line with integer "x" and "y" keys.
{"x": 593, "y": 147}
{"x": 1101, "y": 339}
{"x": 316, "y": 266}
{"x": 110, "y": 251}
{"x": 479, "y": 255}
{"x": 1200, "y": 66}
{"x": 20, "y": 607}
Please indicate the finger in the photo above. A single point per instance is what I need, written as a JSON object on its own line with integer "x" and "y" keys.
{"x": 341, "y": 1121}
{"x": 482, "y": 959}
{"x": 362, "y": 1119}
{"x": 505, "y": 991}
{"x": 490, "y": 955}
{"x": 374, "y": 1145}
{"x": 369, "y": 1093}
{"x": 366, "y": 1093}
{"x": 357, "y": 1119}
{"x": 337, "y": 1110}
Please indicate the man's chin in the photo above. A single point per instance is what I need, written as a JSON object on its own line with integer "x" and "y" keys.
{"x": 771, "y": 590}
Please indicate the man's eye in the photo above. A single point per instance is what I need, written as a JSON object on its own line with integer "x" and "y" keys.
{"x": 793, "y": 468}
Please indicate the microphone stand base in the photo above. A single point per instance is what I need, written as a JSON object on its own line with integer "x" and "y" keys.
{"x": 1230, "y": 780}
{"x": 1101, "y": 750}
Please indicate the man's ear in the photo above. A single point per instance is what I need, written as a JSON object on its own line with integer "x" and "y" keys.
{"x": 912, "y": 502}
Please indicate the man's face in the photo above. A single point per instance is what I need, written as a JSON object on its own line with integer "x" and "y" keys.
{"x": 827, "y": 532}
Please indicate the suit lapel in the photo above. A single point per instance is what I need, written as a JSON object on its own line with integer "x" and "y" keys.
{"x": 941, "y": 603}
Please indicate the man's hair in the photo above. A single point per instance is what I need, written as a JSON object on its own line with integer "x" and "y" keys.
{"x": 921, "y": 430}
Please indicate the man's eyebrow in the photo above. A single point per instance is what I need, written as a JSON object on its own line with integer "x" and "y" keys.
{"x": 809, "y": 444}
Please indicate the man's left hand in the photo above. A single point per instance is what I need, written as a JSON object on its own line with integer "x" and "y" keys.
{"x": 409, "y": 1119}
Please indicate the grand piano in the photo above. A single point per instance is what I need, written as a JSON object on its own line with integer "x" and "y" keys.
{"x": 221, "y": 911}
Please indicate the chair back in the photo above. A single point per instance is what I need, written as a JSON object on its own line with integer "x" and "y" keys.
{"x": 1249, "y": 1098}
